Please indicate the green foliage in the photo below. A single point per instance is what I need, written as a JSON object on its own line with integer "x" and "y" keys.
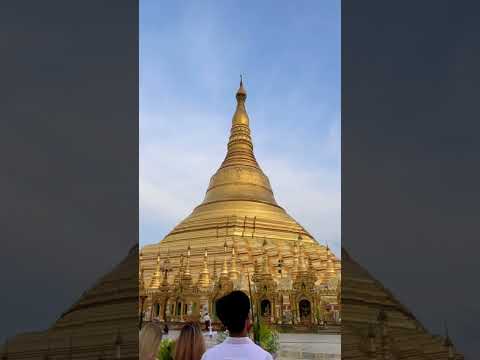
{"x": 256, "y": 332}
{"x": 267, "y": 337}
{"x": 167, "y": 349}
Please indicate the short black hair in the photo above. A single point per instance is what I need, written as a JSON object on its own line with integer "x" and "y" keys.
{"x": 232, "y": 310}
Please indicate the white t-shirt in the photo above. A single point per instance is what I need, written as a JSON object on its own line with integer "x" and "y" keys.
{"x": 237, "y": 349}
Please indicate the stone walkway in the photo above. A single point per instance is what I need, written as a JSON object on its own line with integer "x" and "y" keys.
{"x": 299, "y": 346}
{"x": 309, "y": 346}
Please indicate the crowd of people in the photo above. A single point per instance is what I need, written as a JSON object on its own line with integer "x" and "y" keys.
{"x": 233, "y": 310}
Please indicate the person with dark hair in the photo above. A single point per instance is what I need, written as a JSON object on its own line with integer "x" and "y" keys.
{"x": 233, "y": 310}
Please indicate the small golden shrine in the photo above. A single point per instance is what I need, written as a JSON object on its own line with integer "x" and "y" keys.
{"x": 240, "y": 238}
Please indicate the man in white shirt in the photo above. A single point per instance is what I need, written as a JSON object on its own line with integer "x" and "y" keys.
{"x": 233, "y": 311}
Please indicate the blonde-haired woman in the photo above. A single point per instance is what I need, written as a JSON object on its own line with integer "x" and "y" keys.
{"x": 150, "y": 337}
{"x": 190, "y": 344}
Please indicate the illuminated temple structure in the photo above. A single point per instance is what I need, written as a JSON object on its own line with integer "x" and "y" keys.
{"x": 240, "y": 238}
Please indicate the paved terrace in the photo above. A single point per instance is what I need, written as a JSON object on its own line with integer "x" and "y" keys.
{"x": 298, "y": 346}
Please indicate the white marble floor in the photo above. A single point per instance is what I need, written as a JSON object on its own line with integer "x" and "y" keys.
{"x": 299, "y": 346}
{"x": 309, "y": 346}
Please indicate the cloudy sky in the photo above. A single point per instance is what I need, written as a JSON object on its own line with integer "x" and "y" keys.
{"x": 191, "y": 55}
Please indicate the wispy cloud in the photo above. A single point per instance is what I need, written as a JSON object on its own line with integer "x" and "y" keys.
{"x": 190, "y": 61}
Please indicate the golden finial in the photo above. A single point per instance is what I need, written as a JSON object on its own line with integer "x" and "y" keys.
{"x": 241, "y": 93}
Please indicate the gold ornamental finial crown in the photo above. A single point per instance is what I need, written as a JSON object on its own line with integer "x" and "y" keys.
{"x": 241, "y": 92}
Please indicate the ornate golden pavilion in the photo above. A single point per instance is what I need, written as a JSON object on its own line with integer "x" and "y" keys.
{"x": 240, "y": 238}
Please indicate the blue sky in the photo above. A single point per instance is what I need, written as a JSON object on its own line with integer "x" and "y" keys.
{"x": 191, "y": 55}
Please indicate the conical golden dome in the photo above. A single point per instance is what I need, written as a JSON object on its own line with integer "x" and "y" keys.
{"x": 239, "y": 208}
{"x": 240, "y": 177}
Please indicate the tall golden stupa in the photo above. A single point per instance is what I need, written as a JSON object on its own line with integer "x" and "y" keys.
{"x": 240, "y": 238}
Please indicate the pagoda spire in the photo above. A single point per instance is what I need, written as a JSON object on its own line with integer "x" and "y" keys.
{"x": 204, "y": 279}
{"x": 234, "y": 273}
{"x": 239, "y": 176}
{"x": 187, "y": 268}
{"x": 225, "y": 265}
{"x": 166, "y": 268}
{"x": 156, "y": 278}
{"x": 240, "y": 146}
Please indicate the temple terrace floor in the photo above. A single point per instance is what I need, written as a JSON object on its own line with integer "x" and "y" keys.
{"x": 298, "y": 346}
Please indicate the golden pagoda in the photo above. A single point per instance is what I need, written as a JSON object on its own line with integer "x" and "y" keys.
{"x": 102, "y": 324}
{"x": 375, "y": 325}
{"x": 240, "y": 238}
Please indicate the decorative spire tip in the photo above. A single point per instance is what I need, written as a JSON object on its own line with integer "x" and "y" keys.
{"x": 241, "y": 93}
